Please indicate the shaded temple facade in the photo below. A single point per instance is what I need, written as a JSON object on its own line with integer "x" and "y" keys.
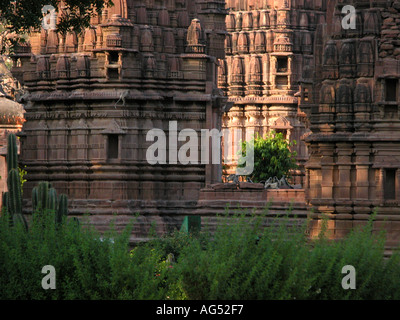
{"x": 92, "y": 98}
{"x": 353, "y": 108}
{"x": 270, "y": 44}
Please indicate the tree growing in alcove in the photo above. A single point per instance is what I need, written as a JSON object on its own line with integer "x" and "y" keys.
{"x": 272, "y": 156}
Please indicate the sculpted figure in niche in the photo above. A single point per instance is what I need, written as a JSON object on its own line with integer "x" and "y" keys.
{"x": 195, "y": 33}
{"x": 330, "y": 54}
{"x": 362, "y": 93}
{"x": 365, "y": 59}
{"x": 327, "y": 94}
{"x": 344, "y": 94}
{"x": 371, "y": 23}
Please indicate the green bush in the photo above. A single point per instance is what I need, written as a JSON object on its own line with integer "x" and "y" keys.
{"x": 87, "y": 265}
{"x": 245, "y": 261}
{"x": 272, "y": 156}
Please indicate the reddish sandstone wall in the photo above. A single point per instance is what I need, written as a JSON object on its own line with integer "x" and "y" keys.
{"x": 212, "y": 205}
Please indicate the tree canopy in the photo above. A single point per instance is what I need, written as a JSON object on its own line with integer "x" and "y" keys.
{"x": 22, "y": 16}
{"x": 272, "y": 156}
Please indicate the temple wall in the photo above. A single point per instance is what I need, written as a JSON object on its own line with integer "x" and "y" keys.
{"x": 212, "y": 206}
{"x": 92, "y": 99}
{"x": 354, "y": 162}
{"x": 269, "y": 45}
{"x": 283, "y": 65}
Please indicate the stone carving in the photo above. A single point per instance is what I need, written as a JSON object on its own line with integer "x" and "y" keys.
{"x": 265, "y": 57}
{"x": 137, "y": 67}
{"x": 164, "y": 55}
{"x": 354, "y": 164}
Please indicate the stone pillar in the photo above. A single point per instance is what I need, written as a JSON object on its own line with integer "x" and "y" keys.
{"x": 327, "y": 166}
{"x": 252, "y": 125}
{"x": 42, "y": 142}
{"x": 325, "y": 203}
{"x": 290, "y": 64}
{"x": 344, "y": 151}
{"x": 342, "y": 195}
{"x": 235, "y": 135}
{"x": 362, "y": 151}
{"x": 380, "y": 192}
{"x": 265, "y": 121}
{"x": 273, "y": 71}
{"x": 397, "y": 184}
{"x": 313, "y": 174}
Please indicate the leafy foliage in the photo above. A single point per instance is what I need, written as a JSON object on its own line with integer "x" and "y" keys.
{"x": 245, "y": 261}
{"x": 22, "y": 174}
{"x": 272, "y": 156}
{"x": 246, "y": 257}
{"x": 24, "y": 15}
{"x": 88, "y": 265}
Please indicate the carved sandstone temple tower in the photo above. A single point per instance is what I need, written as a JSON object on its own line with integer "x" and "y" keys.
{"x": 270, "y": 44}
{"x": 93, "y": 97}
{"x": 353, "y": 107}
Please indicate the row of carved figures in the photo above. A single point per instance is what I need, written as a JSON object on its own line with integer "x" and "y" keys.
{"x": 271, "y": 19}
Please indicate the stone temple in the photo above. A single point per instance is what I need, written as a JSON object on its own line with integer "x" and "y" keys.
{"x": 92, "y": 98}
{"x": 249, "y": 66}
{"x": 269, "y": 45}
{"x": 351, "y": 98}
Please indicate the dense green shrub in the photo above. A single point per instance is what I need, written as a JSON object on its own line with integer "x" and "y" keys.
{"x": 246, "y": 261}
{"x": 272, "y": 156}
{"x": 87, "y": 265}
{"x": 241, "y": 259}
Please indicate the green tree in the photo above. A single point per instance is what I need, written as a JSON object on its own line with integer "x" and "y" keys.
{"x": 21, "y": 16}
{"x": 272, "y": 156}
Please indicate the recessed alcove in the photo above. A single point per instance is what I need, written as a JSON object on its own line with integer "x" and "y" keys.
{"x": 391, "y": 90}
{"x": 112, "y": 146}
